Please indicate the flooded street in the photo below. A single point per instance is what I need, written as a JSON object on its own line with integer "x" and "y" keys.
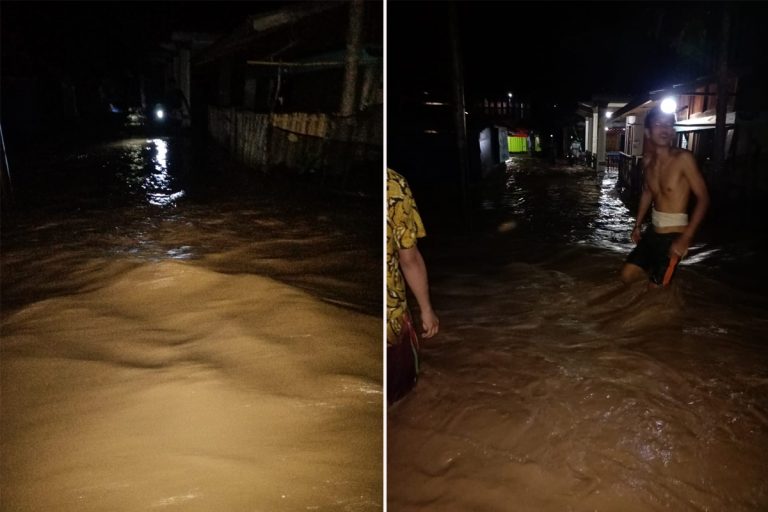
{"x": 552, "y": 388}
{"x": 178, "y": 335}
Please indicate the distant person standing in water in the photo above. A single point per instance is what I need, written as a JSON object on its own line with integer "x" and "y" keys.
{"x": 404, "y": 264}
{"x": 671, "y": 175}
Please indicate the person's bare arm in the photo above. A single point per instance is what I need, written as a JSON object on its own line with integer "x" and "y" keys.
{"x": 642, "y": 211}
{"x": 699, "y": 189}
{"x": 415, "y": 273}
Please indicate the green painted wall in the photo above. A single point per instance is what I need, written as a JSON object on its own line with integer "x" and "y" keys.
{"x": 517, "y": 144}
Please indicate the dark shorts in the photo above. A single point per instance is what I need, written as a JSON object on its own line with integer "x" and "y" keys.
{"x": 652, "y": 255}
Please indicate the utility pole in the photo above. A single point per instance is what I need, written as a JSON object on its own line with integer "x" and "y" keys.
{"x": 354, "y": 37}
{"x": 460, "y": 119}
{"x": 722, "y": 92}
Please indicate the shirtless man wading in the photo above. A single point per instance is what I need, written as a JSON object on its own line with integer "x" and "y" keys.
{"x": 671, "y": 175}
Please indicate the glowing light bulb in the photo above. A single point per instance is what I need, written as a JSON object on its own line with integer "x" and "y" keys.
{"x": 669, "y": 106}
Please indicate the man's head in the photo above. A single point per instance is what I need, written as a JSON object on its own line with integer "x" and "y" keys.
{"x": 660, "y": 127}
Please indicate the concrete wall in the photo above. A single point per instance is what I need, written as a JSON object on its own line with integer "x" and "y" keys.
{"x": 635, "y": 135}
{"x": 487, "y": 160}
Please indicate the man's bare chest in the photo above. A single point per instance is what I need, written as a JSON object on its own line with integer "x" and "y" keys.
{"x": 665, "y": 178}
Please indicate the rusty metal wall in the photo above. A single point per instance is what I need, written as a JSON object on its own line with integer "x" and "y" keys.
{"x": 300, "y": 141}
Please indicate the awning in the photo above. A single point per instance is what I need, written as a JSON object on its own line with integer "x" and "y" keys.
{"x": 704, "y": 123}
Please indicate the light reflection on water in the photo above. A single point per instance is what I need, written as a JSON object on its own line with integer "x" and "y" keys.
{"x": 158, "y": 184}
{"x": 144, "y": 170}
{"x": 554, "y": 385}
{"x": 148, "y": 199}
{"x": 614, "y": 220}
{"x": 263, "y": 344}
{"x": 567, "y": 204}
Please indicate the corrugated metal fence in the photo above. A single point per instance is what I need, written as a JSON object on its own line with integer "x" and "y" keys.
{"x": 301, "y": 142}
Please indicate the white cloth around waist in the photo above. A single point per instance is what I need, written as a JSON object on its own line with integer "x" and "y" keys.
{"x": 666, "y": 220}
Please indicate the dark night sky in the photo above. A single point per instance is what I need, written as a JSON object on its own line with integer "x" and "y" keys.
{"x": 565, "y": 50}
{"x": 97, "y": 37}
{"x": 59, "y": 54}
{"x": 539, "y": 49}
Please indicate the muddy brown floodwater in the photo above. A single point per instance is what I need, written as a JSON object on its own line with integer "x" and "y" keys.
{"x": 550, "y": 389}
{"x": 176, "y": 344}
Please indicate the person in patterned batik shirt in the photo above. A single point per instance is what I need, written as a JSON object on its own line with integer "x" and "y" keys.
{"x": 404, "y": 265}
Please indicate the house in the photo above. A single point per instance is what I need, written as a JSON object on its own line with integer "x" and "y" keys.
{"x": 299, "y": 89}
{"x": 605, "y": 135}
{"x": 746, "y": 131}
{"x": 494, "y": 148}
{"x": 522, "y": 140}
{"x": 498, "y": 127}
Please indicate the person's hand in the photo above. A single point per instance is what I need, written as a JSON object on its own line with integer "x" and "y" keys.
{"x": 679, "y": 247}
{"x": 636, "y": 235}
{"x": 430, "y": 323}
